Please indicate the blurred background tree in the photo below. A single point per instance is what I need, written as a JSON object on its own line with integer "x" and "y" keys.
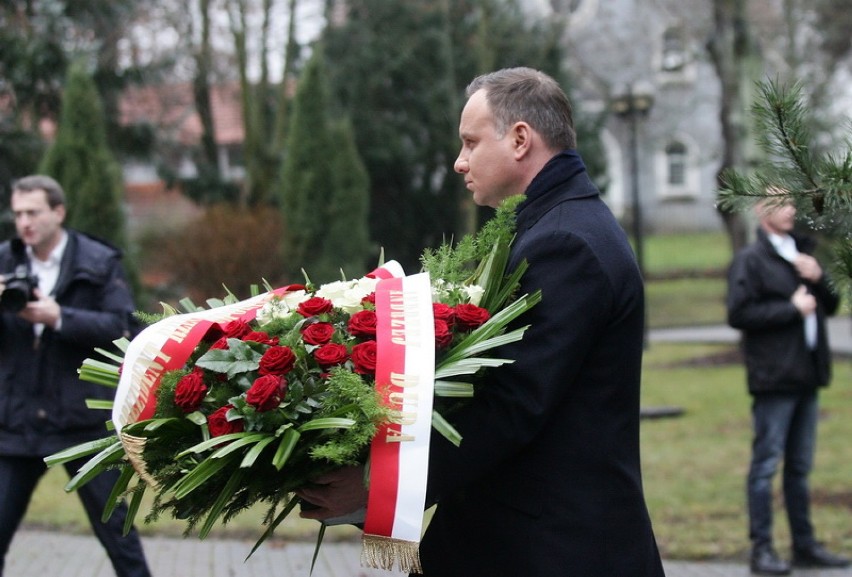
{"x": 324, "y": 187}
{"x": 81, "y": 160}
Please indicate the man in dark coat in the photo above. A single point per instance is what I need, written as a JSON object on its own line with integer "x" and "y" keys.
{"x": 779, "y": 297}
{"x": 80, "y": 300}
{"x": 547, "y": 479}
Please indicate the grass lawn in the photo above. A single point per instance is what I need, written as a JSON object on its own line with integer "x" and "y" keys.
{"x": 695, "y": 465}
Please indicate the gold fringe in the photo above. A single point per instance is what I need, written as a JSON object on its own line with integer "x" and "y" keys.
{"x": 133, "y": 447}
{"x": 381, "y": 552}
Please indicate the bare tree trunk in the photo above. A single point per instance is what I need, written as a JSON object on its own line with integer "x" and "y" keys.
{"x": 733, "y": 53}
{"x": 201, "y": 89}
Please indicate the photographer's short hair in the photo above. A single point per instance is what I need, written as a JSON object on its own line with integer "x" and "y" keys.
{"x": 53, "y": 190}
{"x": 528, "y": 95}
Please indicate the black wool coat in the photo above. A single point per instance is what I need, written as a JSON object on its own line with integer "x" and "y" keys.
{"x": 760, "y": 284}
{"x": 42, "y": 400}
{"x": 547, "y": 479}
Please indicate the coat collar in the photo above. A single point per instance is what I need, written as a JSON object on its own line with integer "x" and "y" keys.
{"x": 551, "y": 187}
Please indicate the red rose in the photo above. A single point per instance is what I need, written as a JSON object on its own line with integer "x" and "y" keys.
{"x": 443, "y": 334}
{"x": 236, "y": 329}
{"x": 219, "y": 425}
{"x": 317, "y": 333}
{"x": 314, "y": 306}
{"x": 261, "y": 337}
{"x": 277, "y": 361}
{"x": 330, "y": 355}
{"x": 364, "y": 358}
{"x": 222, "y": 343}
{"x": 443, "y": 312}
{"x": 470, "y": 316}
{"x": 266, "y": 392}
{"x": 190, "y": 391}
{"x": 369, "y": 299}
{"x": 363, "y": 324}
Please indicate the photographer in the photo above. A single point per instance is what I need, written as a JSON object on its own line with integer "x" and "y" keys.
{"x": 62, "y": 294}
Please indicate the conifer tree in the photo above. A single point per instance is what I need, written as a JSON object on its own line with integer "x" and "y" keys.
{"x": 324, "y": 187}
{"x": 81, "y": 161}
{"x": 820, "y": 184}
{"x": 347, "y": 242}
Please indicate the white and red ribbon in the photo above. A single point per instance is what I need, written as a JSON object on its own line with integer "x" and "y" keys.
{"x": 399, "y": 456}
{"x": 165, "y": 346}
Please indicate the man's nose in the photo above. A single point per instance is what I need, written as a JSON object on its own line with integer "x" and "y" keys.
{"x": 461, "y": 165}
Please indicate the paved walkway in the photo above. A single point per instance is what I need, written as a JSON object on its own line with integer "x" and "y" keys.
{"x": 839, "y": 334}
{"x": 36, "y": 553}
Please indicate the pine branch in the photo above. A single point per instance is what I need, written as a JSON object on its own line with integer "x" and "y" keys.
{"x": 820, "y": 184}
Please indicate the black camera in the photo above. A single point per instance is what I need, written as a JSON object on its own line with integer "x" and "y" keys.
{"x": 20, "y": 288}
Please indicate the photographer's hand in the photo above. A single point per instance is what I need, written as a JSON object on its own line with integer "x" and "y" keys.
{"x": 43, "y": 310}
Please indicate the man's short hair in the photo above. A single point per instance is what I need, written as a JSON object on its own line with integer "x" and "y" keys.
{"x": 53, "y": 190}
{"x": 528, "y": 95}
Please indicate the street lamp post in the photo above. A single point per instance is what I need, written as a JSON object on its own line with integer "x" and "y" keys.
{"x": 634, "y": 105}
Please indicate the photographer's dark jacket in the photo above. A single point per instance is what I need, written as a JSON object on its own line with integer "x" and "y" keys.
{"x": 42, "y": 400}
{"x": 760, "y": 284}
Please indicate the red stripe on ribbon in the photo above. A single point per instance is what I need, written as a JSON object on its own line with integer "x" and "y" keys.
{"x": 384, "y": 455}
{"x": 175, "y": 352}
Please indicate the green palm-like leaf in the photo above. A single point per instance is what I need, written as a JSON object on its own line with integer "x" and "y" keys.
{"x": 113, "y": 454}
{"x": 132, "y": 510}
{"x": 285, "y": 512}
{"x": 327, "y": 423}
{"x": 457, "y": 389}
{"x": 80, "y": 451}
{"x": 117, "y": 492}
{"x": 285, "y": 448}
{"x": 200, "y": 474}
{"x": 255, "y": 452}
{"x": 227, "y": 492}
{"x": 440, "y": 424}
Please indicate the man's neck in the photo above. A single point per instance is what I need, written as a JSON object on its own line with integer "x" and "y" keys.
{"x": 44, "y": 250}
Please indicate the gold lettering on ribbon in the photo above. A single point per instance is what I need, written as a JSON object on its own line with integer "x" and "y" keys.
{"x": 394, "y": 436}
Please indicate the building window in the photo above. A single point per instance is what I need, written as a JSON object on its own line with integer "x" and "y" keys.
{"x": 674, "y": 50}
{"x": 678, "y": 170}
{"x": 676, "y": 160}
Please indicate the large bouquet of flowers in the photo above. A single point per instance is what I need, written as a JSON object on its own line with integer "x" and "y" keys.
{"x": 241, "y": 403}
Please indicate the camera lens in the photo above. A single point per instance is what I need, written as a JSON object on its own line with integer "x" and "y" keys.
{"x": 14, "y": 298}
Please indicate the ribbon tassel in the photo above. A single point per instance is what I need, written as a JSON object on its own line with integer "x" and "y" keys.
{"x": 385, "y": 553}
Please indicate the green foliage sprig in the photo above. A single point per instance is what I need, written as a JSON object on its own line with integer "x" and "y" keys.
{"x": 820, "y": 184}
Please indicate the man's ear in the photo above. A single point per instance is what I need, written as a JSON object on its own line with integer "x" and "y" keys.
{"x": 522, "y": 136}
{"x": 60, "y": 212}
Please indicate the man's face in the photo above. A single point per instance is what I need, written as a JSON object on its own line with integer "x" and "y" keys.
{"x": 777, "y": 218}
{"x": 38, "y": 225}
{"x": 486, "y": 158}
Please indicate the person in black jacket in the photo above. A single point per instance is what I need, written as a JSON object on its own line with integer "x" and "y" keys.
{"x": 547, "y": 479}
{"x": 779, "y": 297}
{"x": 62, "y": 294}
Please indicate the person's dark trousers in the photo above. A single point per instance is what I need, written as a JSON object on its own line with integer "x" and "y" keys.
{"x": 18, "y": 479}
{"x": 784, "y": 427}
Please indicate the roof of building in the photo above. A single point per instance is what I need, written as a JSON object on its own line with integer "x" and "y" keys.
{"x": 170, "y": 108}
